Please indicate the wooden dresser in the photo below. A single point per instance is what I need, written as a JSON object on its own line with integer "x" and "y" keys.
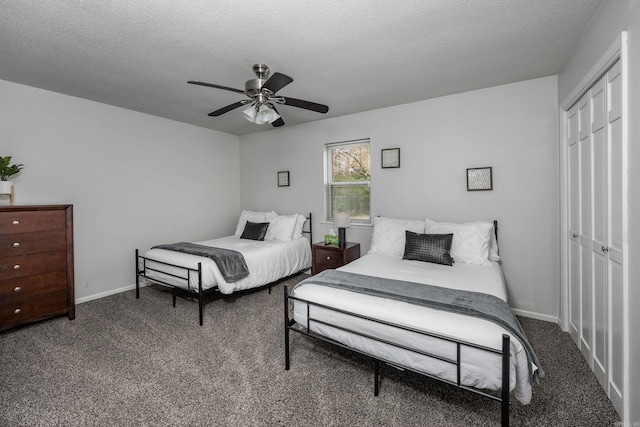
{"x": 36, "y": 263}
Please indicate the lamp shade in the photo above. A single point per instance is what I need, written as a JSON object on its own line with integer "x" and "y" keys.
{"x": 341, "y": 220}
{"x": 249, "y": 113}
{"x": 266, "y": 114}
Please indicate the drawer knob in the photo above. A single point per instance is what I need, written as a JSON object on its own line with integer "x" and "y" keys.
{"x": 17, "y": 289}
{"x": 16, "y": 222}
{"x": 17, "y": 311}
{"x": 16, "y": 245}
{"x": 16, "y": 267}
{"x": 328, "y": 257}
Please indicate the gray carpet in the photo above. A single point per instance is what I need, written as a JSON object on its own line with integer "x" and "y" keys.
{"x": 129, "y": 362}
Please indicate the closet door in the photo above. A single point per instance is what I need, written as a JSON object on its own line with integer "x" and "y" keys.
{"x": 614, "y": 252}
{"x": 596, "y": 171}
{"x": 599, "y": 235}
{"x": 574, "y": 223}
{"x": 584, "y": 236}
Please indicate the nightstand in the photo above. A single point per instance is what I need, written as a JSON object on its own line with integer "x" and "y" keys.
{"x": 333, "y": 256}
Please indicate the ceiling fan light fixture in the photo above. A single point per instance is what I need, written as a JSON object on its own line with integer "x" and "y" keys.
{"x": 266, "y": 114}
{"x": 263, "y": 94}
{"x": 260, "y": 113}
{"x": 250, "y": 113}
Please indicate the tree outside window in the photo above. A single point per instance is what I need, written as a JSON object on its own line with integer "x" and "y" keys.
{"x": 349, "y": 179}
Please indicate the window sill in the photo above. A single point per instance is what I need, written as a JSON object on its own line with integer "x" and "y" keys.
{"x": 356, "y": 225}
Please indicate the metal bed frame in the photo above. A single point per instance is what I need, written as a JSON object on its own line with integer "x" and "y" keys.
{"x": 290, "y": 325}
{"x": 186, "y": 273}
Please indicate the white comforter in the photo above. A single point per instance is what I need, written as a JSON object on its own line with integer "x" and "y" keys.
{"x": 479, "y": 368}
{"x": 267, "y": 261}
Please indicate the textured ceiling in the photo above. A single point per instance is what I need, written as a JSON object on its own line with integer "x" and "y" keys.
{"x": 353, "y": 55}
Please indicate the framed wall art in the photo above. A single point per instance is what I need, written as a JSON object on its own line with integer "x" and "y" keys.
{"x": 480, "y": 179}
{"x": 390, "y": 158}
{"x": 283, "y": 179}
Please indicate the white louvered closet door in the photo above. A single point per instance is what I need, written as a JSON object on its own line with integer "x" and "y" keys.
{"x": 595, "y": 223}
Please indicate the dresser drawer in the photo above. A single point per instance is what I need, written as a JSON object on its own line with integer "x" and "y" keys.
{"x": 30, "y": 243}
{"x": 31, "y": 221}
{"x": 23, "y": 310}
{"x": 27, "y": 265}
{"x": 329, "y": 258}
{"x": 24, "y": 287}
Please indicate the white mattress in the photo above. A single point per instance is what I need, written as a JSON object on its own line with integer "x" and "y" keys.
{"x": 480, "y": 369}
{"x": 267, "y": 261}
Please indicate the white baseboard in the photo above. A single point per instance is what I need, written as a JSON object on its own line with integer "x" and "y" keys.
{"x": 518, "y": 312}
{"x": 533, "y": 315}
{"x": 108, "y": 293}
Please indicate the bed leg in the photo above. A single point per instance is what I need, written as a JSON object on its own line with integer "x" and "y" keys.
{"x": 137, "y": 277}
{"x": 269, "y": 289}
{"x": 376, "y": 381}
{"x": 174, "y": 296}
{"x": 200, "y": 291}
{"x": 506, "y": 349}
{"x": 286, "y": 330}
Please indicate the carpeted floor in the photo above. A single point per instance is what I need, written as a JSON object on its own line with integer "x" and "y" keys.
{"x": 128, "y": 362}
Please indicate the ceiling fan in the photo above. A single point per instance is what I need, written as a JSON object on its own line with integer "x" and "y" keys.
{"x": 261, "y": 92}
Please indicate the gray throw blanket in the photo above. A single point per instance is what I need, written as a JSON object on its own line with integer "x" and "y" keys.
{"x": 230, "y": 263}
{"x": 468, "y": 303}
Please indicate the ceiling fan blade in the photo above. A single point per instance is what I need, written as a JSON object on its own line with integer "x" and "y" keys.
{"x": 279, "y": 122}
{"x": 276, "y": 82}
{"x": 215, "y": 86}
{"x": 227, "y": 108}
{"x": 307, "y": 105}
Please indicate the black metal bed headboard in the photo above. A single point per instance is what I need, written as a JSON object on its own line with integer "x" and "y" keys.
{"x": 495, "y": 228}
{"x": 310, "y": 232}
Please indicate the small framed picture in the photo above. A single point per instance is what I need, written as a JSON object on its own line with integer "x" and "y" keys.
{"x": 283, "y": 179}
{"x": 480, "y": 179}
{"x": 390, "y": 158}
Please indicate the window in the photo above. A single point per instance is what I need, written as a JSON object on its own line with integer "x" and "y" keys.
{"x": 348, "y": 180}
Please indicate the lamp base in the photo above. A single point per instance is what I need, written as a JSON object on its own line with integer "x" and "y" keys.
{"x": 342, "y": 237}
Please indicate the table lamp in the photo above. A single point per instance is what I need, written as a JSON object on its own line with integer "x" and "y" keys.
{"x": 342, "y": 221}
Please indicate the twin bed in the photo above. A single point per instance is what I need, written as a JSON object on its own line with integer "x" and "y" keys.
{"x": 428, "y": 297}
{"x": 281, "y": 252}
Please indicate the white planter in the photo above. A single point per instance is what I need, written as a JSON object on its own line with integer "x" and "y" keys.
{"x": 5, "y": 187}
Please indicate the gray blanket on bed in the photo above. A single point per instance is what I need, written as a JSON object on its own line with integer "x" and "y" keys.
{"x": 230, "y": 263}
{"x": 468, "y": 303}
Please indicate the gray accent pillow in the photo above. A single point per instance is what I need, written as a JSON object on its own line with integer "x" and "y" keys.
{"x": 433, "y": 248}
{"x": 255, "y": 230}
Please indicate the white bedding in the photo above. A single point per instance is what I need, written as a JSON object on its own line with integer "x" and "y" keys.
{"x": 267, "y": 261}
{"x": 479, "y": 368}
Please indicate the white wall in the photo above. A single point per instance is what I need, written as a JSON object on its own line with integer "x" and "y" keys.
{"x": 135, "y": 180}
{"x": 611, "y": 18}
{"x": 512, "y": 128}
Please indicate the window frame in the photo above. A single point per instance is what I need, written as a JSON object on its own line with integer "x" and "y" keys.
{"x": 329, "y": 184}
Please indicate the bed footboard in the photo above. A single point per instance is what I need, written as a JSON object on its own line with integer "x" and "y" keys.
{"x": 185, "y": 274}
{"x": 291, "y": 325}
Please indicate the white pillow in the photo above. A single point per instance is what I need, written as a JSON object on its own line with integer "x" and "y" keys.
{"x": 493, "y": 243}
{"x": 389, "y": 234}
{"x": 297, "y": 231}
{"x": 253, "y": 217}
{"x": 281, "y": 228}
{"x": 471, "y": 240}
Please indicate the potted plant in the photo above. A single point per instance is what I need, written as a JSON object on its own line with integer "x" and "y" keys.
{"x": 7, "y": 170}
